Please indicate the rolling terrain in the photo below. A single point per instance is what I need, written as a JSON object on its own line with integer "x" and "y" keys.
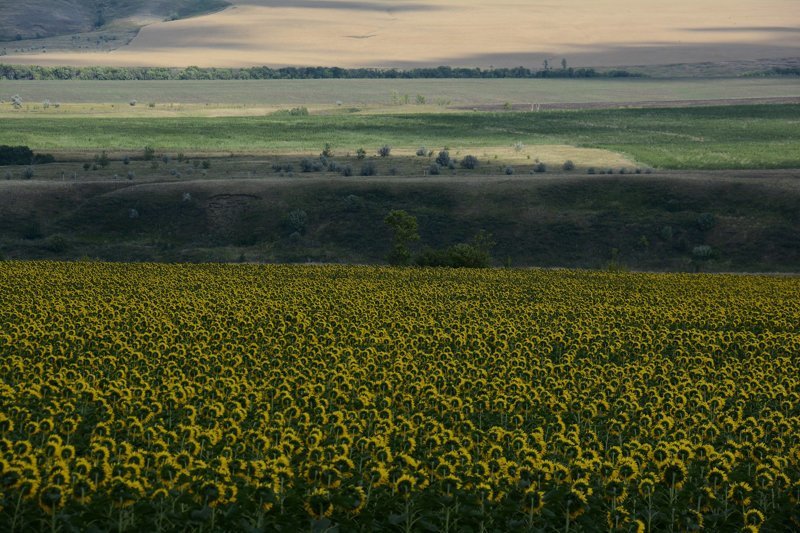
{"x": 381, "y": 33}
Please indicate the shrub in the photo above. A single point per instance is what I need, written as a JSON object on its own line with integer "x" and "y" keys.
{"x": 706, "y": 221}
{"x": 133, "y": 103}
{"x": 347, "y": 171}
{"x": 509, "y": 170}
{"x": 518, "y": 146}
{"x": 591, "y": 170}
{"x": 46, "y": 104}
{"x": 102, "y": 159}
{"x": 469, "y": 162}
{"x": 384, "y": 150}
{"x": 443, "y": 159}
{"x": 327, "y": 150}
{"x": 126, "y": 160}
{"x": 165, "y": 159}
{"x": 149, "y": 153}
{"x": 434, "y": 170}
{"x": 666, "y": 233}
{"x": 369, "y": 169}
{"x": 56, "y": 244}
{"x": 702, "y": 252}
{"x": 353, "y": 203}
{"x": 16, "y": 101}
{"x": 297, "y": 220}
{"x": 87, "y": 166}
{"x": 151, "y": 105}
{"x": 568, "y": 165}
{"x": 28, "y": 173}
{"x": 131, "y": 175}
{"x": 361, "y": 153}
{"x": 422, "y": 151}
{"x": 461, "y": 255}
{"x": 540, "y": 167}
{"x": 206, "y": 164}
{"x": 306, "y": 165}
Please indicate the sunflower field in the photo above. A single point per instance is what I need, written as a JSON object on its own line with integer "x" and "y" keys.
{"x": 141, "y": 397}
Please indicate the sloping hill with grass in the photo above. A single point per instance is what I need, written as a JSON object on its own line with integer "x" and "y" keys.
{"x": 679, "y": 222}
{"x": 32, "y": 19}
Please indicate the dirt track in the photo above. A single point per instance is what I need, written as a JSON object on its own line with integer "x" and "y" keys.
{"x": 638, "y": 104}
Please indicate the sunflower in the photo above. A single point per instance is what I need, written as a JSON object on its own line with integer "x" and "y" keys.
{"x": 753, "y": 517}
{"x": 52, "y": 498}
{"x": 576, "y": 503}
{"x": 673, "y": 473}
{"x": 124, "y": 492}
{"x": 404, "y": 485}
{"x": 534, "y": 500}
{"x": 739, "y": 493}
{"x": 318, "y": 504}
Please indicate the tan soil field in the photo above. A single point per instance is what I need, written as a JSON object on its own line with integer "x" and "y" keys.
{"x": 381, "y": 33}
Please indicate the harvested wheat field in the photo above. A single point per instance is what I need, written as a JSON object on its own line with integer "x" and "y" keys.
{"x": 382, "y": 33}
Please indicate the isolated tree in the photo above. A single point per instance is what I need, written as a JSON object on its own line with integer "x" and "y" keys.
{"x": 406, "y": 231}
{"x": 564, "y": 64}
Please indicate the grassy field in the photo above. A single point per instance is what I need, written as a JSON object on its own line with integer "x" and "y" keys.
{"x": 325, "y": 93}
{"x": 696, "y": 138}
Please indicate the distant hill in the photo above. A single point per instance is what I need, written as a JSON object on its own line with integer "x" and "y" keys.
{"x": 31, "y": 19}
{"x": 399, "y": 34}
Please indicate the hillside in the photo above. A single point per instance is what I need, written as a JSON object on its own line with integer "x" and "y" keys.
{"x": 750, "y": 221}
{"x": 384, "y": 33}
{"x": 47, "y": 18}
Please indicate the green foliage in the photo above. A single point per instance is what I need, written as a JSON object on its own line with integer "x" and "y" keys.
{"x": 369, "y": 169}
{"x": 406, "y": 231}
{"x": 706, "y": 221}
{"x": 102, "y": 159}
{"x": 475, "y": 254}
{"x": 297, "y": 220}
{"x": 469, "y": 162}
{"x": 26, "y": 72}
{"x": 443, "y": 159}
{"x": 15, "y": 155}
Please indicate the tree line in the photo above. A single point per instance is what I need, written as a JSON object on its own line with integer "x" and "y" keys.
{"x": 31, "y": 72}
